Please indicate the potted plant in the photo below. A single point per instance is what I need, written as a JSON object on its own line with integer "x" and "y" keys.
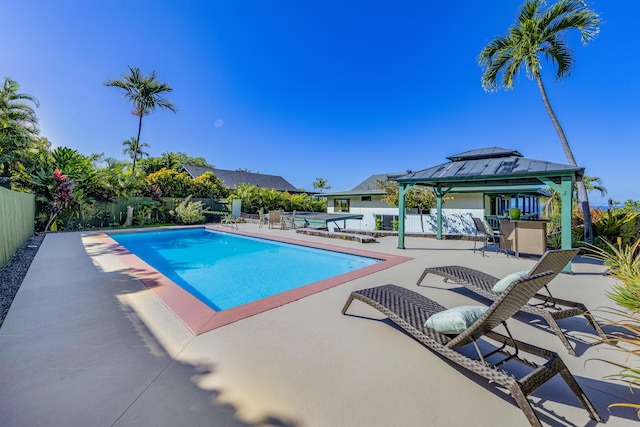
{"x": 514, "y": 213}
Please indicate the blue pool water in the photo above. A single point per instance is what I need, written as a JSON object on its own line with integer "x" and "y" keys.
{"x": 226, "y": 271}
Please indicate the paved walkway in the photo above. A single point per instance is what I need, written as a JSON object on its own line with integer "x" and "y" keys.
{"x": 86, "y": 344}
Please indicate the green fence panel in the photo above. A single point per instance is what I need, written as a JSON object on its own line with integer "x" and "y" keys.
{"x": 17, "y": 214}
{"x": 115, "y": 213}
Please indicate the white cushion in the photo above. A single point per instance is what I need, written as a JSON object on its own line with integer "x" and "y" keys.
{"x": 502, "y": 284}
{"x": 455, "y": 320}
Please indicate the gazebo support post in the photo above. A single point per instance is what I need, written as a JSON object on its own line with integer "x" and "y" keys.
{"x": 440, "y": 193}
{"x": 565, "y": 190}
{"x": 402, "y": 209}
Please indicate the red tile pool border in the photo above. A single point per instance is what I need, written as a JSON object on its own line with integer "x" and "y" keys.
{"x": 200, "y": 318}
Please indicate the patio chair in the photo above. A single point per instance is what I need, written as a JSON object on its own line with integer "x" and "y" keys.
{"x": 261, "y": 218}
{"x": 290, "y": 221}
{"x": 229, "y": 221}
{"x": 275, "y": 219}
{"x": 487, "y": 234}
{"x": 410, "y": 311}
{"x": 548, "y": 307}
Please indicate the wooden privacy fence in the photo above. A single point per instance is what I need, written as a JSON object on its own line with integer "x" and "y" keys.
{"x": 17, "y": 213}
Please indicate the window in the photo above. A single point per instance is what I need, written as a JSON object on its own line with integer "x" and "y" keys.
{"x": 366, "y": 198}
{"x": 341, "y": 205}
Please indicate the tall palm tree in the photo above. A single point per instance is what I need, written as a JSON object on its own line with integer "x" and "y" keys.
{"x": 18, "y": 125}
{"x": 144, "y": 92}
{"x": 539, "y": 33}
{"x": 14, "y": 111}
{"x": 134, "y": 150}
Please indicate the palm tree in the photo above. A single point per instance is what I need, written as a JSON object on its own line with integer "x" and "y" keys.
{"x": 539, "y": 33}
{"x": 170, "y": 160}
{"x": 321, "y": 184}
{"x": 18, "y": 124}
{"x": 145, "y": 93}
{"x": 591, "y": 183}
{"x": 134, "y": 150}
{"x": 594, "y": 183}
{"x": 14, "y": 111}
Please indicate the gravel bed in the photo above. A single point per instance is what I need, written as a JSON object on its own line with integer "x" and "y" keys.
{"x": 12, "y": 274}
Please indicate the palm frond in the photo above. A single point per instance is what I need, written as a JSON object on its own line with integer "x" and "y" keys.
{"x": 559, "y": 53}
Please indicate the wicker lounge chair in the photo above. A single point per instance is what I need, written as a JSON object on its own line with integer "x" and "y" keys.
{"x": 551, "y": 309}
{"x": 409, "y": 310}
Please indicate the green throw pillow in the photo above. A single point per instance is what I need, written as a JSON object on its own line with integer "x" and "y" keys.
{"x": 455, "y": 320}
{"x": 502, "y": 284}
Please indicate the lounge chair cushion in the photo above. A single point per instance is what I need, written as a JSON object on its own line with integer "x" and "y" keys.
{"x": 455, "y": 320}
{"x": 502, "y": 284}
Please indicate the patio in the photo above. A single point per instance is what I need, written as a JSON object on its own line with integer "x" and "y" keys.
{"x": 85, "y": 343}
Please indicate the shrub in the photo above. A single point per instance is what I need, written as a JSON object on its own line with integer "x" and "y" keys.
{"x": 625, "y": 338}
{"x": 623, "y": 262}
{"x": 609, "y": 226}
{"x": 208, "y": 185}
{"x": 189, "y": 212}
{"x": 170, "y": 182}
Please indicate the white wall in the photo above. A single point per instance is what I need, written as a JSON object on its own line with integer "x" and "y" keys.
{"x": 458, "y": 211}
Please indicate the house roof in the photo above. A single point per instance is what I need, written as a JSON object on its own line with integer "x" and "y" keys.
{"x": 232, "y": 178}
{"x": 368, "y": 186}
{"x": 490, "y": 166}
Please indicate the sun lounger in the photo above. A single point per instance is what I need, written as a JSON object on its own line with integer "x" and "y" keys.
{"x": 410, "y": 310}
{"x": 551, "y": 309}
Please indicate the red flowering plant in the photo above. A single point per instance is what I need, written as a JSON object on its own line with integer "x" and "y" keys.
{"x": 62, "y": 196}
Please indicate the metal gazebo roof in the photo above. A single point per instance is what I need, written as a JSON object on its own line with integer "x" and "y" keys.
{"x": 493, "y": 167}
{"x": 490, "y": 166}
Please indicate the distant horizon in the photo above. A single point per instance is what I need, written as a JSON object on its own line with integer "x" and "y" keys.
{"x": 329, "y": 90}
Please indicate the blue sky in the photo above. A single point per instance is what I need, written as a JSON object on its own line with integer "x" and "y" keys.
{"x": 334, "y": 89}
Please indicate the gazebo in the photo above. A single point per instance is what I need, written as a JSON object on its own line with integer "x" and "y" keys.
{"x": 491, "y": 169}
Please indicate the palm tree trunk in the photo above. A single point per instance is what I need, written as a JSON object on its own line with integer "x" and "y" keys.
{"x": 137, "y": 148}
{"x": 582, "y": 191}
{"x": 129, "y": 219}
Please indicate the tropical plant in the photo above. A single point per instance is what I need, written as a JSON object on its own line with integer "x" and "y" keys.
{"x": 628, "y": 206}
{"x": 303, "y": 202}
{"x": 135, "y": 151}
{"x": 625, "y": 338}
{"x": 18, "y": 125}
{"x": 62, "y": 197}
{"x": 29, "y": 162}
{"x": 609, "y": 227}
{"x": 253, "y": 198}
{"x": 170, "y": 182}
{"x": 623, "y": 262}
{"x": 146, "y": 94}
{"x": 208, "y": 185}
{"x": 592, "y": 183}
{"x": 321, "y": 184}
{"x": 189, "y": 212}
{"x": 418, "y": 197}
{"x": 110, "y": 172}
{"x": 539, "y": 33}
{"x": 378, "y": 223}
{"x": 171, "y": 160}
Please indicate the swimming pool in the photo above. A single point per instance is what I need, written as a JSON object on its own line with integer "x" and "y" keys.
{"x": 225, "y": 271}
{"x": 199, "y": 317}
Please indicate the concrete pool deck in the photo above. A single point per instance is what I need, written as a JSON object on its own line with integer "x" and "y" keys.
{"x": 86, "y": 343}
